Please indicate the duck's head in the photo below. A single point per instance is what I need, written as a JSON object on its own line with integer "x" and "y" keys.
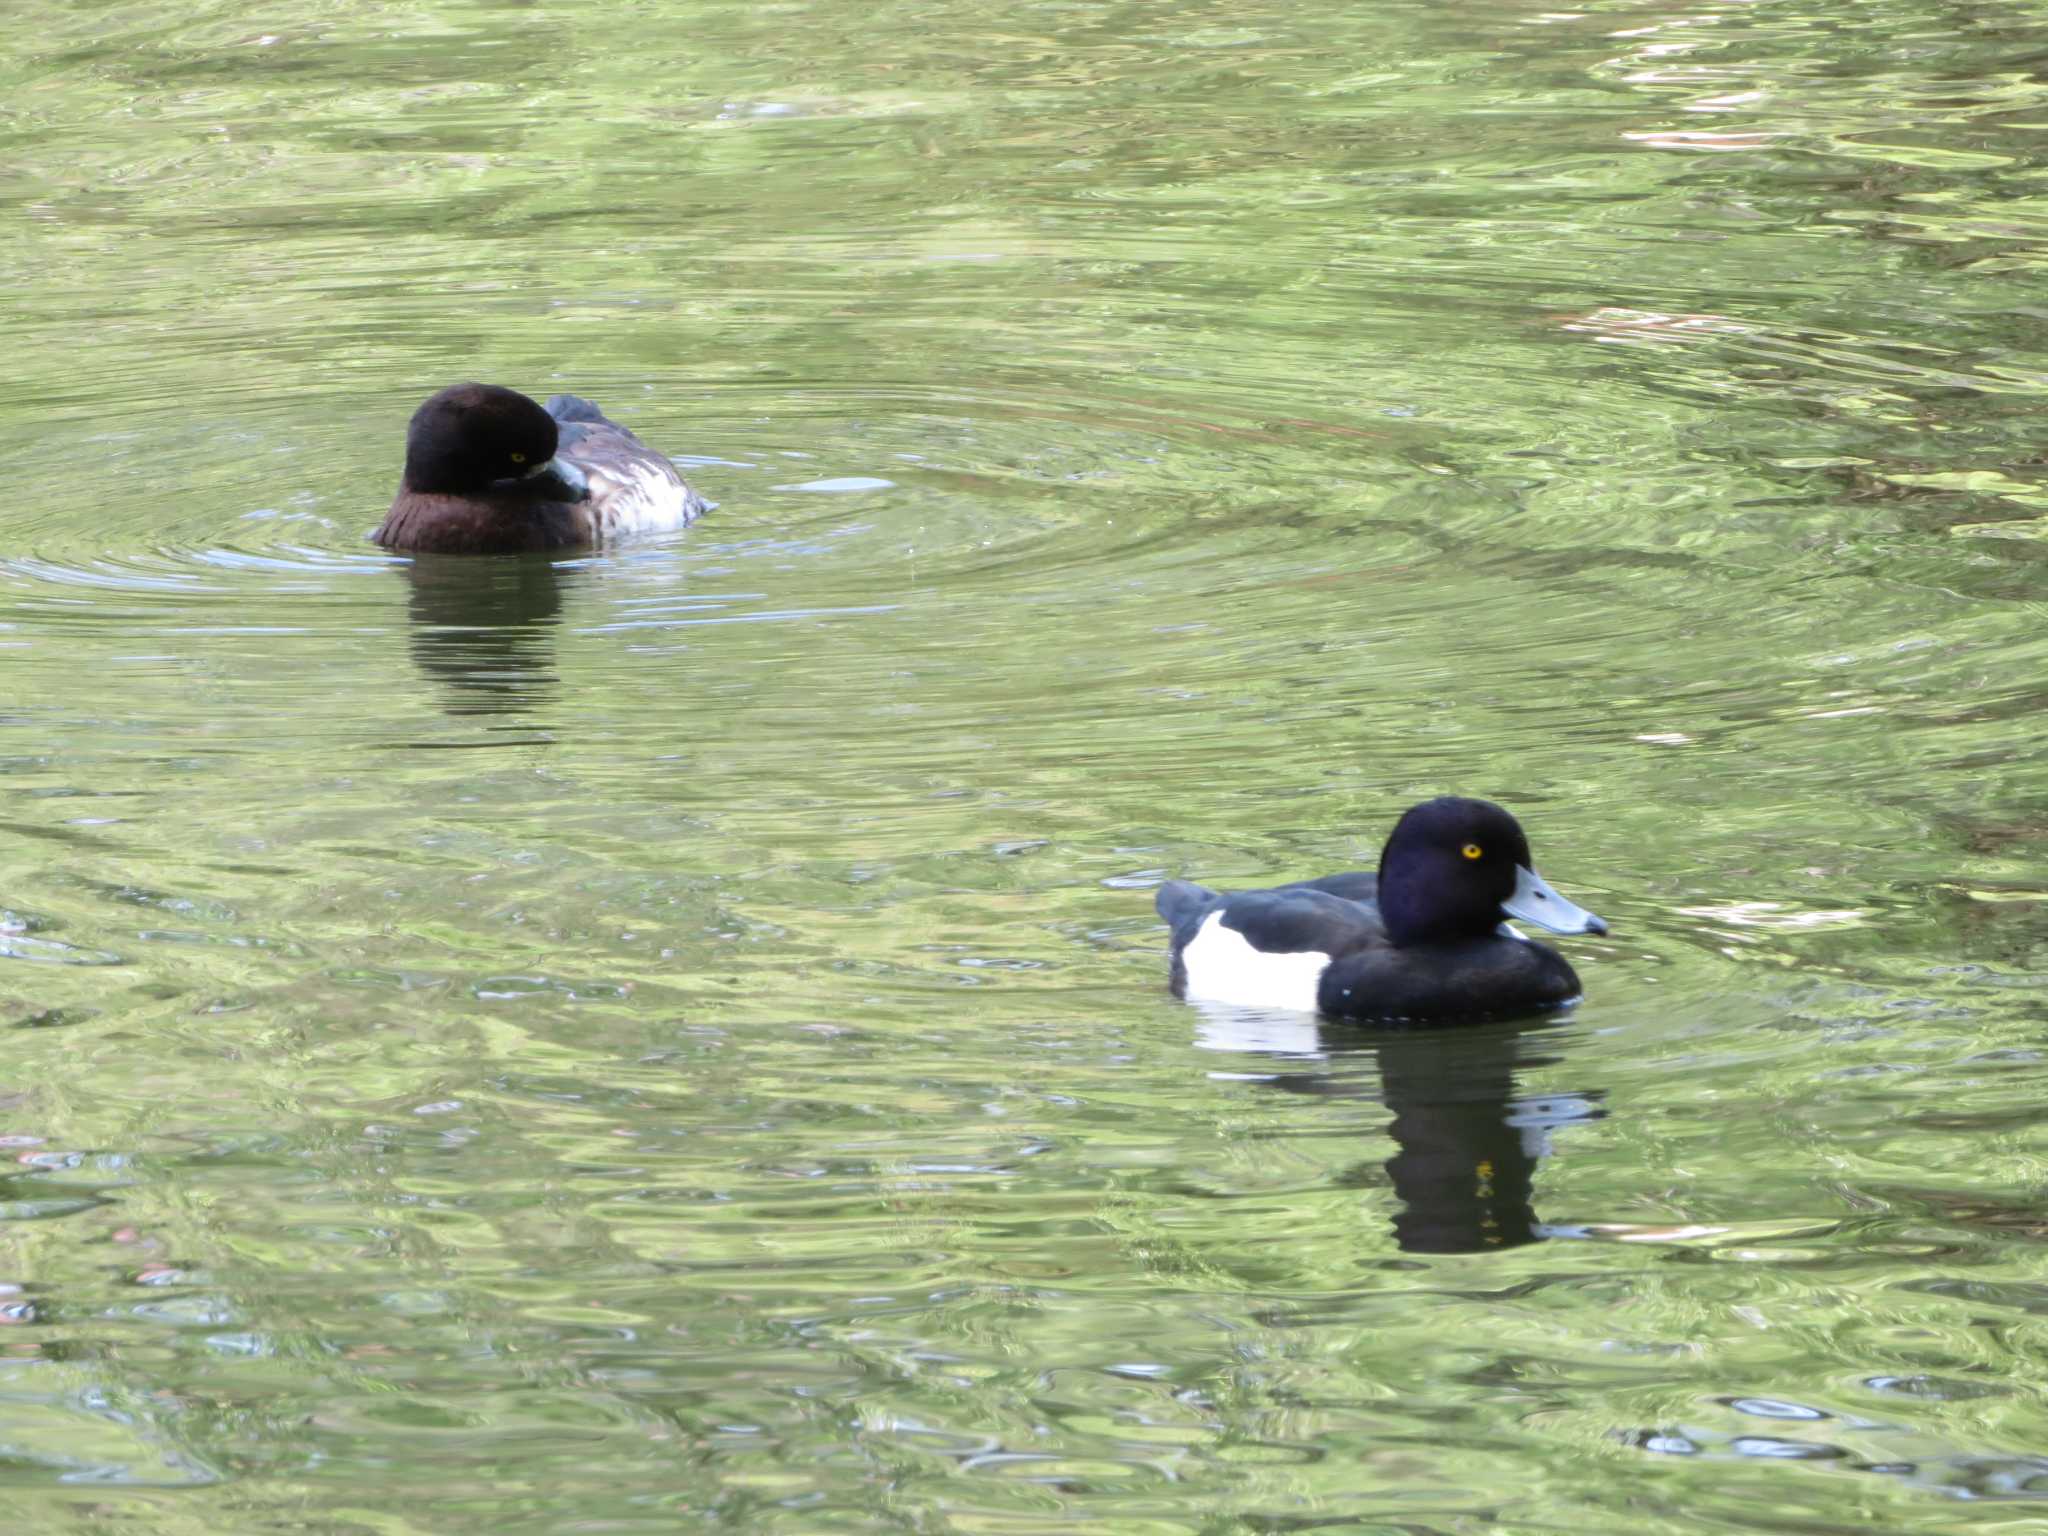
{"x": 1455, "y": 870}
{"x": 477, "y": 439}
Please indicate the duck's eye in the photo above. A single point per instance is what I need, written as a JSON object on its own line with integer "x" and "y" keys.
{"x": 518, "y": 458}
{"x": 1473, "y": 851}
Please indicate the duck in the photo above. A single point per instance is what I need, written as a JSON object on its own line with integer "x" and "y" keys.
{"x": 1425, "y": 939}
{"x": 490, "y": 472}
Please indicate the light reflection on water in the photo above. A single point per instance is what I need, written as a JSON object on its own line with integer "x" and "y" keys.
{"x": 675, "y": 1038}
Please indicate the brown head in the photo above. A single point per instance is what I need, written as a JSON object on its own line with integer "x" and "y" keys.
{"x": 470, "y": 439}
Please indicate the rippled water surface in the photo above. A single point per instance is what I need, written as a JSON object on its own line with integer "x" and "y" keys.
{"x": 676, "y": 1040}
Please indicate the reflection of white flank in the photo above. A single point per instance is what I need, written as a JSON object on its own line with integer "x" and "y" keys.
{"x": 1223, "y": 967}
{"x": 1256, "y": 1031}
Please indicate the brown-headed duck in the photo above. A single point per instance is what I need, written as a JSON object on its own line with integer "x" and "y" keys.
{"x": 489, "y": 472}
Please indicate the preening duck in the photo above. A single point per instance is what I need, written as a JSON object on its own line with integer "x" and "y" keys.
{"x": 489, "y": 472}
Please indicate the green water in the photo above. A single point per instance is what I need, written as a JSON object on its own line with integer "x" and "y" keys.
{"x": 677, "y": 1041}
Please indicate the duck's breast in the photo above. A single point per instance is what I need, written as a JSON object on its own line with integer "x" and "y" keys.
{"x": 423, "y": 523}
{"x": 1490, "y": 976}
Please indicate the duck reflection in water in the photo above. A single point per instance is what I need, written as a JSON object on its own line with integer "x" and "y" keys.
{"x": 1467, "y": 1144}
{"x": 484, "y": 626}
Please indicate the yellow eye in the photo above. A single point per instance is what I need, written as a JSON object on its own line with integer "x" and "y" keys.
{"x": 1473, "y": 851}
{"x": 518, "y": 458}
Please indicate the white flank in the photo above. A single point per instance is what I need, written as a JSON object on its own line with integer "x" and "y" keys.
{"x": 660, "y": 494}
{"x": 637, "y": 497}
{"x": 1223, "y": 967}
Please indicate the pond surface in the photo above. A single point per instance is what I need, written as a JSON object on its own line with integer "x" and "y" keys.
{"x": 677, "y": 1040}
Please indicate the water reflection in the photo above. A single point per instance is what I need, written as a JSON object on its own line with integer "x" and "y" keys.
{"x": 1467, "y": 1143}
{"x": 485, "y": 627}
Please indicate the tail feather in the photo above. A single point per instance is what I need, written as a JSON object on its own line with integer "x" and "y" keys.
{"x": 1182, "y": 901}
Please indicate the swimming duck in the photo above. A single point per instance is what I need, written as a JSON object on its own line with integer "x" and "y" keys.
{"x": 488, "y": 472}
{"x": 1427, "y": 938}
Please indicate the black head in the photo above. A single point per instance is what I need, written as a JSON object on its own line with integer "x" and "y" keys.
{"x": 1450, "y": 868}
{"x": 470, "y": 437}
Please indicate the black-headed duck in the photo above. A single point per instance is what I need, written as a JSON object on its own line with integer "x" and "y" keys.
{"x": 1425, "y": 939}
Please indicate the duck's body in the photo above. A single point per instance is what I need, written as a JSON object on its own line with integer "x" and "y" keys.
{"x": 1424, "y": 939}
{"x": 487, "y": 471}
